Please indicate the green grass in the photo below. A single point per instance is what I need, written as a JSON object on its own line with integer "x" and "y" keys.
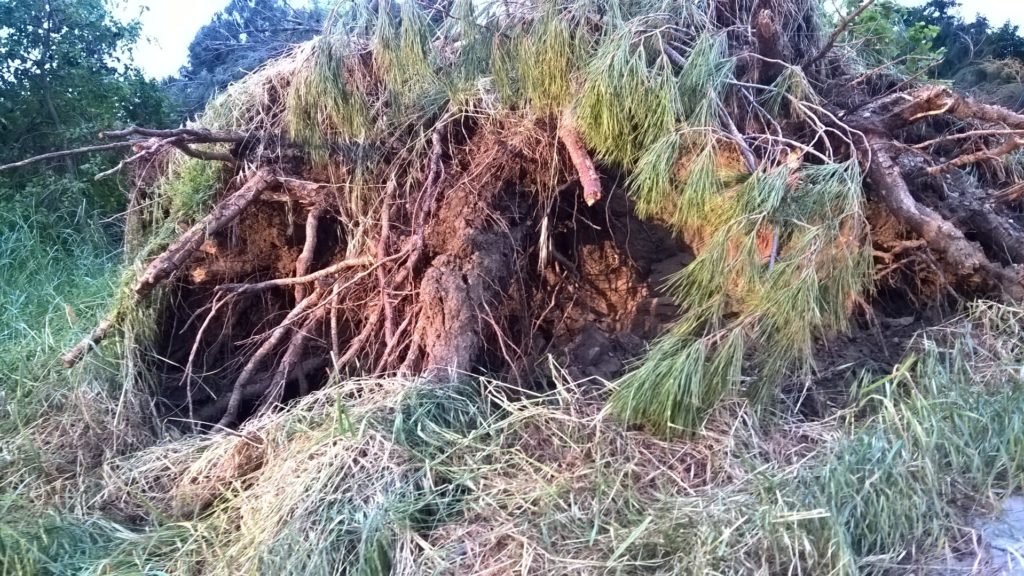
{"x": 58, "y": 273}
{"x": 400, "y": 477}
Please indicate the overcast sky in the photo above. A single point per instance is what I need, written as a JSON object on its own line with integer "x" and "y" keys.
{"x": 997, "y": 11}
{"x": 169, "y": 25}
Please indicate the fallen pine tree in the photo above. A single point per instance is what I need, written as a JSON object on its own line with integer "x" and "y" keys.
{"x": 431, "y": 192}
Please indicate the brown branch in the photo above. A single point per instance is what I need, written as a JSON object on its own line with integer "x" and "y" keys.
{"x": 589, "y": 177}
{"x": 180, "y": 138}
{"x": 66, "y": 153}
{"x": 122, "y": 164}
{"x": 192, "y": 135}
{"x": 163, "y": 266}
{"x": 843, "y": 25}
{"x": 1007, "y": 147}
{"x": 282, "y": 282}
{"x": 908, "y": 107}
{"x": 75, "y": 355}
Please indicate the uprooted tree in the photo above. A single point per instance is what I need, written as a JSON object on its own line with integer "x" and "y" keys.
{"x": 712, "y": 188}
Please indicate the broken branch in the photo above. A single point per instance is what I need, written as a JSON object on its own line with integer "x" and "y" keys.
{"x": 192, "y": 135}
{"x": 226, "y": 212}
{"x": 589, "y": 177}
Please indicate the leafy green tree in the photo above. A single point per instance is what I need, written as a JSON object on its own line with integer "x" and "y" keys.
{"x": 66, "y": 73}
{"x": 885, "y": 36}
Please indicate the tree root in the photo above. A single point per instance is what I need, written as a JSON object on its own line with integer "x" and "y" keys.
{"x": 964, "y": 257}
{"x": 181, "y": 250}
{"x": 306, "y": 257}
{"x": 276, "y": 336}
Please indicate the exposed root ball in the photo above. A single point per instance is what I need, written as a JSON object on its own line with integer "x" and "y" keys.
{"x": 484, "y": 191}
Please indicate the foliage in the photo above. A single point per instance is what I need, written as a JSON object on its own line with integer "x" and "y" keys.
{"x": 965, "y": 42}
{"x": 59, "y": 269}
{"x": 886, "y": 35}
{"x": 65, "y": 75}
{"x": 240, "y": 38}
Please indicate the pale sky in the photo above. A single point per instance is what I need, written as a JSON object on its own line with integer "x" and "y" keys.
{"x": 997, "y": 11}
{"x": 169, "y": 25}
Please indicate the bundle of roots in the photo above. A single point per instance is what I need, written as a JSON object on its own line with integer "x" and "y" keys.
{"x": 709, "y": 189}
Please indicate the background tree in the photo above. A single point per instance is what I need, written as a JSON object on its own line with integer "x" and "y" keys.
{"x": 66, "y": 72}
{"x": 884, "y": 35}
{"x": 239, "y": 39}
{"x": 932, "y": 40}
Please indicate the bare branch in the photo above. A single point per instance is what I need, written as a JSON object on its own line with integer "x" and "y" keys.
{"x": 193, "y": 135}
{"x": 66, "y": 153}
{"x": 1010, "y": 145}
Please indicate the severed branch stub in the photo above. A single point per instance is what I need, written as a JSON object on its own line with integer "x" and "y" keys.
{"x": 590, "y": 180}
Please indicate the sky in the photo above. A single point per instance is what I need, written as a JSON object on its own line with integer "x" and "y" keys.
{"x": 997, "y": 11}
{"x": 169, "y": 25}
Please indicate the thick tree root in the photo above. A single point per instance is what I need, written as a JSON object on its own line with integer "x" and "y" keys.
{"x": 966, "y": 259}
{"x": 185, "y": 246}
